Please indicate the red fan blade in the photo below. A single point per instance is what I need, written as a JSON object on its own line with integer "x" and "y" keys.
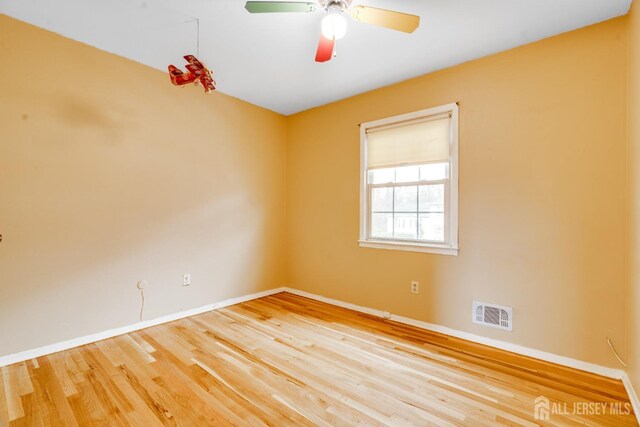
{"x": 325, "y": 49}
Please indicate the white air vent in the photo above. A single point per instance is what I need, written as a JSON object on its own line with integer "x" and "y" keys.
{"x": 495, "y": 316}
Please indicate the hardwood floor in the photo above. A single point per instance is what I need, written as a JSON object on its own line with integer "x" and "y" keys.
{"x": 288, "y": 360}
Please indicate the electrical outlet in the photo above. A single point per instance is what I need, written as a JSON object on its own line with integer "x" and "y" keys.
{"x": 415, "y": 287}
{"x": 186, "y": 280}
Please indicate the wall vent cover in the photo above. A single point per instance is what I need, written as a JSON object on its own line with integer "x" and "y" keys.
{"x": 495, "y": 316}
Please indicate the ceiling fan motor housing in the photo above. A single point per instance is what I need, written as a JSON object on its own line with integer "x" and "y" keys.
{"x": 335, "y": 5}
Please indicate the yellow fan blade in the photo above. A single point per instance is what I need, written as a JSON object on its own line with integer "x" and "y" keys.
{"x": 386, "y": 18}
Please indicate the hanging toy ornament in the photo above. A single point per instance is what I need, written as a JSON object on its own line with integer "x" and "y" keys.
{"x": 196, "y": 73}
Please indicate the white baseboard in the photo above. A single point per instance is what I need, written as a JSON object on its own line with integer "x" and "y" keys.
{"x": 633, "y": 396}
{"x": 617, "y": 374}
{"x": 75, "y": 342}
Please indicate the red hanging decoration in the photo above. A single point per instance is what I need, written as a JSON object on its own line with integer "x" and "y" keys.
{"x": 197, "y": 74}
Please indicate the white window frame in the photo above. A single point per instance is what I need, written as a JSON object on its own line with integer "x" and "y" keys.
{"x": 451, "y": 190}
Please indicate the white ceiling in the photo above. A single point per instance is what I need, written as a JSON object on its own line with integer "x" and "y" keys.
{"x": 268, "y": 59}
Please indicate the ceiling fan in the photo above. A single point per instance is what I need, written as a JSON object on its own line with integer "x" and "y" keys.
{"x": 334, "y": 24}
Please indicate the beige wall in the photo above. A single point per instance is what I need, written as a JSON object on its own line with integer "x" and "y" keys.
{"x": 110, "y": 175}
{"x": 542, "y": 197}
{"x": 634, "y": 196}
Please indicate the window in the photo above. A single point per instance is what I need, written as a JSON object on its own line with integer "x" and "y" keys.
{"x": 409, "y": 182}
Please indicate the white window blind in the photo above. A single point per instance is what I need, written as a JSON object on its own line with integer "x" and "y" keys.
{"x": 418, "y": 141}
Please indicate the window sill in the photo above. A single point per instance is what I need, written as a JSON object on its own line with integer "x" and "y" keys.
{"x": 410, "y": 247}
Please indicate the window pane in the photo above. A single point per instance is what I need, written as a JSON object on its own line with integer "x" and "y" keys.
{"x": 382, "y": 199}
{"x": 405, "y": 226}
{"x": 382, "y": 176}
{"x": 382, "y": 225}
{"x": 408, "y": 174}
{"x": 433, "y": 172}
{"x": 431, "y": 227}
{"x": 432, "y": 198}
{"x": 406, "y": 199}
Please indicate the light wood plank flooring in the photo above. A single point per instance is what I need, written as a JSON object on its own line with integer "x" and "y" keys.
{"x": 288, "y": 360}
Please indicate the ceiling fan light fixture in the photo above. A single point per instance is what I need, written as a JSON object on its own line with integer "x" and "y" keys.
{"x": 334, "y": 25}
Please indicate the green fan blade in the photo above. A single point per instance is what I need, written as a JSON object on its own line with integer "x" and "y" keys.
{"x": 280, "y": 6}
